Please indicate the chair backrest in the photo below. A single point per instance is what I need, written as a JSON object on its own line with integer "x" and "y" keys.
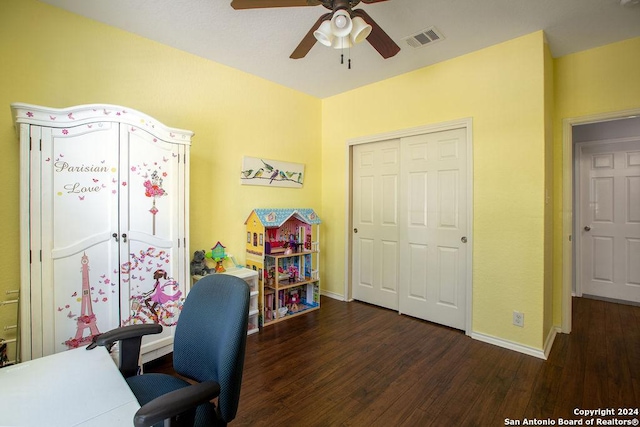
{"x": 211, "y": 336}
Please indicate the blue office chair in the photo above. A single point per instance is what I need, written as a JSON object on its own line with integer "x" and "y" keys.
{"x": 209, "y": 348}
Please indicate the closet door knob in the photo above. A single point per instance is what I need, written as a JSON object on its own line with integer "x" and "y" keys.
{"x": 124, "y": 237}
{"x": 587, "y": 228}
{"x": 115, "y": 236}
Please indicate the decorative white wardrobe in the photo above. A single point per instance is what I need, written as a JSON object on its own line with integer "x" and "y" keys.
{"x": 104, "y": 225}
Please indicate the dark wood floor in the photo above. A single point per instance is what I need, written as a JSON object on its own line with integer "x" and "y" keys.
{"x": 352, "y": 364}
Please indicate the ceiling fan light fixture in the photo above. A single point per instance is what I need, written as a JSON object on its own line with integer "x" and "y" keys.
{"x": 341, "y": 23}
{"x": 323, "y": 34}
{"x": 360, "y": 31}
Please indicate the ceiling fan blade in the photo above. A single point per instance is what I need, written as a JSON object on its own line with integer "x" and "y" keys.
{"x": 258, "y": 4}
{"x": 309, "y": 40}
{"x": 378, "y": 38}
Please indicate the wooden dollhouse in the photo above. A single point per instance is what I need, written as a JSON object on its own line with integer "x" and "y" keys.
{"x": 282, "y": 245}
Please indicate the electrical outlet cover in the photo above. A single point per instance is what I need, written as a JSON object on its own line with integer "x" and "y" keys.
{"x": 518, "y": 319}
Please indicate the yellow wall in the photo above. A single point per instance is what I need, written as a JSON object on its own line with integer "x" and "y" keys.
{"x": 57, "y": 59}
{"x": 502, "y": 89}
{"x": 596, "y": 81}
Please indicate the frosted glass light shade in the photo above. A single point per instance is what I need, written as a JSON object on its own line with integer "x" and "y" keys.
{"x": 323, "y": 34}
{"x": 341, "y": 24}
{"x": 360, "y": 31}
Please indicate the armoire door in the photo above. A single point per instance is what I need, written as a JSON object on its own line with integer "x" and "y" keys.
{"x": 150, "y": 203}
{"x": 78, "y": 175}
{"x": 409, "y": 214}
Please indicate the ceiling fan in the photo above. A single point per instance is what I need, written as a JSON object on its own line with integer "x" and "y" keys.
{"x": 340, "y": 28}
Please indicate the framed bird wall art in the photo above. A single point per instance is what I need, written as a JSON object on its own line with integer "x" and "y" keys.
{"x": 271, "y": 173}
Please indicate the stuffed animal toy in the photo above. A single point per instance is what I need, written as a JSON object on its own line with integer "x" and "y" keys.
{"x": 198, "y": 266}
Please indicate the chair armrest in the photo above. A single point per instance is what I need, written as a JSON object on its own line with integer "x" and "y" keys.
{"x": 130, "y": 338}
{"x": 126, "y": 332}
{"x": 173, "y": 405}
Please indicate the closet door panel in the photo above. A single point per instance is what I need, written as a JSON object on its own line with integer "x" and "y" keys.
{"x": 79, "y": 169}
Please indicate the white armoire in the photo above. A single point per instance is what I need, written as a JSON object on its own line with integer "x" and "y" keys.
{"x": 104, "y": 225}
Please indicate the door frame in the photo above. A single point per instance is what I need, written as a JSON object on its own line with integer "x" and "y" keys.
{"x": 569, "y": 259}
{"x": 464, "y": 123}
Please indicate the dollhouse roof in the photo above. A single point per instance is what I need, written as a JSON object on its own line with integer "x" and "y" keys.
{"x": 277, "y": 217}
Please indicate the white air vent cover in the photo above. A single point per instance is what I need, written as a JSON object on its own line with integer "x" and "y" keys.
{"x": 424, "y": 37}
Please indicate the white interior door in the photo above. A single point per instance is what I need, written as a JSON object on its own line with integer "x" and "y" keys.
{"x": 375, "y": 234}
{"x": 433, "y": 227}
{"x": 409, "y": 214}
{"x": 610, "y": 220}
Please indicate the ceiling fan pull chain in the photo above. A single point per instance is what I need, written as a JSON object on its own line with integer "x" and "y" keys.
{"x": 349, "y": 63}
{"x": 342, "y": 58}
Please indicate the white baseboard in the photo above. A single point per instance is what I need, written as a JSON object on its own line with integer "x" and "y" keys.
{"x": 551, "y": 337}
{"x": 332, "y": 295}
{"x": 510, "y": 345}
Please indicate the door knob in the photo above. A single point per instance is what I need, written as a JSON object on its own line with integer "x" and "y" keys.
{"x": 355, "y": 230}
{"x": 124, "y": 237}
{"x": 587, "y": 228}
{"x": 115, "y": 236}
{"x": 463, "y": 239}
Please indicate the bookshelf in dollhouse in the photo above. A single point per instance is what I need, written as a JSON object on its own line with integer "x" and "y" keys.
{"x": 282, "y": 245}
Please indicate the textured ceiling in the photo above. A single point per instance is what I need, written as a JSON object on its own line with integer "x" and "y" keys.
{"x": 259, "y": 41}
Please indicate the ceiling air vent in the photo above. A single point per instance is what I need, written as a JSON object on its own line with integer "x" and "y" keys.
{"x": 424, "y": 37}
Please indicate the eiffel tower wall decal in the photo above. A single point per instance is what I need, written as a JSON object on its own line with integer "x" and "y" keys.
{"x": 86, "y": 321}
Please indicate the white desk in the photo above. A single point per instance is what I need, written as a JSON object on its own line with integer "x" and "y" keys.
{"x": 72, "y": 388}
